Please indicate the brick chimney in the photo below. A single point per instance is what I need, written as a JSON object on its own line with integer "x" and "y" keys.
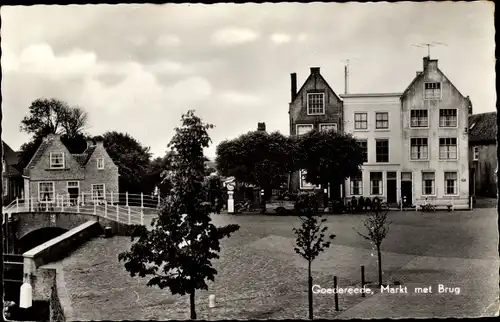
{"x": 314, "y": 70}
{"x": 430, "y": 63}
{"x": 261, "y": 126}
{"x": 293, "y": 78}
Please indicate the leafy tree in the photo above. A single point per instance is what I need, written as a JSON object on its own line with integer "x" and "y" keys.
{"x": 258, "y": 158}
{"x": 52, "y": 116}
{"x": 328, "y": 157}
{"x": 179, "y": 250}
{"x": 155, "y": 174}
{"x": 131, "y": 158}
{"x": 310, "y": 237}
{"x": 377, "y": 226}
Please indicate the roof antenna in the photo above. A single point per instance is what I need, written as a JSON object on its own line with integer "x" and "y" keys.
{"x": 346, "y": 74}
{"x": 429, "y": 45}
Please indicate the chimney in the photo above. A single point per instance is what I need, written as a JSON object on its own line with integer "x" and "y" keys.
{"x": 90, "y": 143}
{"x": 314, "y": 70}
{"x": 419, "y": 73}
{"x": 426, "y": 62}
{"x": 346, "y": 80}
{"x": 293, "y": 77}
{"x": 261, "y": 127}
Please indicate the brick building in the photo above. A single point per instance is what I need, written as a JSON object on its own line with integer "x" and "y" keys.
{"x": 53, "y": 172}
{"x": 314, "y": 106}
{"x": 483, "y": 154}
{"x": 12, "y": 185}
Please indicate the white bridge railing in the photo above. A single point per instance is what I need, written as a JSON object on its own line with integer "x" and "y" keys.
{"x": 121, "y": 207}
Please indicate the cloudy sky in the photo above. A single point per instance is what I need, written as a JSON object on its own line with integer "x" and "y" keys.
{"x": 137, "y": 68}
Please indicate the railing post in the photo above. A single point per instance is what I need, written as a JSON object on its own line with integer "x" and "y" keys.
{"x": 129, "y": 214}
{"x": 111, "y": 197}
{"x": 17, "y": 204}
{"x": 78, "y": 204}
{"x": 31, "y": 205}
{"x": 158, "y": 199}
{"x": 105, "y": 209}
{"x": 117, "y": 214}
{"x": 126, "y": 198}
{"x": 142, "y": 218}
{"x": 95, "y": 208}
{"x": 62, "y": 203}
{"x": 46, "y": 206}
{"x": 83, "y": 199}
{"x": 142, "y": 200}
{"x": 69, "y": 199}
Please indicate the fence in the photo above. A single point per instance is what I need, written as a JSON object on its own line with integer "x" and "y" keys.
{"x": 121, "y": 207}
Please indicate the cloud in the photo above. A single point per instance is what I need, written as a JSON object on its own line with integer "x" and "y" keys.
{"x": 168, "y": 41}
{"x": 279, "y": 38}
{"x": 239, "y": 98}
{"x": 234, "y": 36}
{"x": 302, "y": 37}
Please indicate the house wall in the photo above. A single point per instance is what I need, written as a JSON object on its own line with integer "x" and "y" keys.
{"x": 73, "y": 171}
{"x": 371, "y": 104}
{"x": 298, "y": 109}
{"x": 108, "y": 176}
{"x": 483, "y": 170}
{"x": 41, "y": 171}
{"x": 451, "y": 98}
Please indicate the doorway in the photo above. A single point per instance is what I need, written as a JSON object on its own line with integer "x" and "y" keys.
{"x": 73, "y": 191}
{"x": 406, "y": 189}
{"x": 392, "y": 190}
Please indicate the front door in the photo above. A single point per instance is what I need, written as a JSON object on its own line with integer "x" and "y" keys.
{"x": 392, "y": 190}
{"x": 73, "y": 191}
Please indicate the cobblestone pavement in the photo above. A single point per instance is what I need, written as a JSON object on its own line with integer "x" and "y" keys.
{"x": 260, "y": 276}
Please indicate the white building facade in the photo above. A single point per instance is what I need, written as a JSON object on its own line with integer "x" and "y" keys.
{"x": 435, "y": 139}
{"x": 375, "y": 121}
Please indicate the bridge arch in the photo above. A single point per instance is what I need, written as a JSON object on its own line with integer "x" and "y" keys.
{"x": 37, "y": 237}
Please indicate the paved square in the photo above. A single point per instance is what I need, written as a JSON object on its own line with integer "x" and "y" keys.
{"x": 260, "y": 276}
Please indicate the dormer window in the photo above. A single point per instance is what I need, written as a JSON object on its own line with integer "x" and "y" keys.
{"x": 100, "y": 163}
{"x": 432, "y": 91}
{"x": 315, "y": 104}
{"x": 57, "y": 160}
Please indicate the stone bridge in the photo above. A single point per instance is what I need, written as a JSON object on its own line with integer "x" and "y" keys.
{"x": 33, "y": 228}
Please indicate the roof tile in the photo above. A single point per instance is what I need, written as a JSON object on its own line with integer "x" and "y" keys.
{"x": 483, "y": 127}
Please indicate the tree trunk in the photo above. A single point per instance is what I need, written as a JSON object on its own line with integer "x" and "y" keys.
{"x": 379, "y": 266}
{"x": 192, "y": 305}
{"x": 310, "y": 294}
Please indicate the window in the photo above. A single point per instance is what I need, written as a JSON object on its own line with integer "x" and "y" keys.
{"x": 303, "y": 182}
{"x": 382, "y": 150}
{"x": 450, "y": 182}
{"x": 419, "y": 118}
{"x": 100, "y": 163}
{"x": 376, "y": 183}
{"x": 304, "y": 128}
{"x": 360, "y": 121}
{"x": 448, "y": 117}
{"x": 357, "y": 184}
{"x": 428, "y": 183}
{"x": 57, "y": 160}
{"x": 73, "y": 184}
{"x": 364, "y": 147}
{"x": 447, "y": 148}
{"x": 98, "y": 191}
{"x": 432, "y": 91}
{"x": 382, "y": 120}
{"x": 328, "y": 127}
{"x": 315, "y": 103}
{"x": 419, "y": 149}
{"x": 475, "y": 153}
{"x": 46, "y": 192}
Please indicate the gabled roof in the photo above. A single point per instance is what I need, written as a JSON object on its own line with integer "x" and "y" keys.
{"x": 307, "y": 80}
{"x": 83, "y": 158}
{"x": 483, "y": 127}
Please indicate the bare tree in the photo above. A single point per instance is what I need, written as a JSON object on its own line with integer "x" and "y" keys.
{"x": 377, "y": 225}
